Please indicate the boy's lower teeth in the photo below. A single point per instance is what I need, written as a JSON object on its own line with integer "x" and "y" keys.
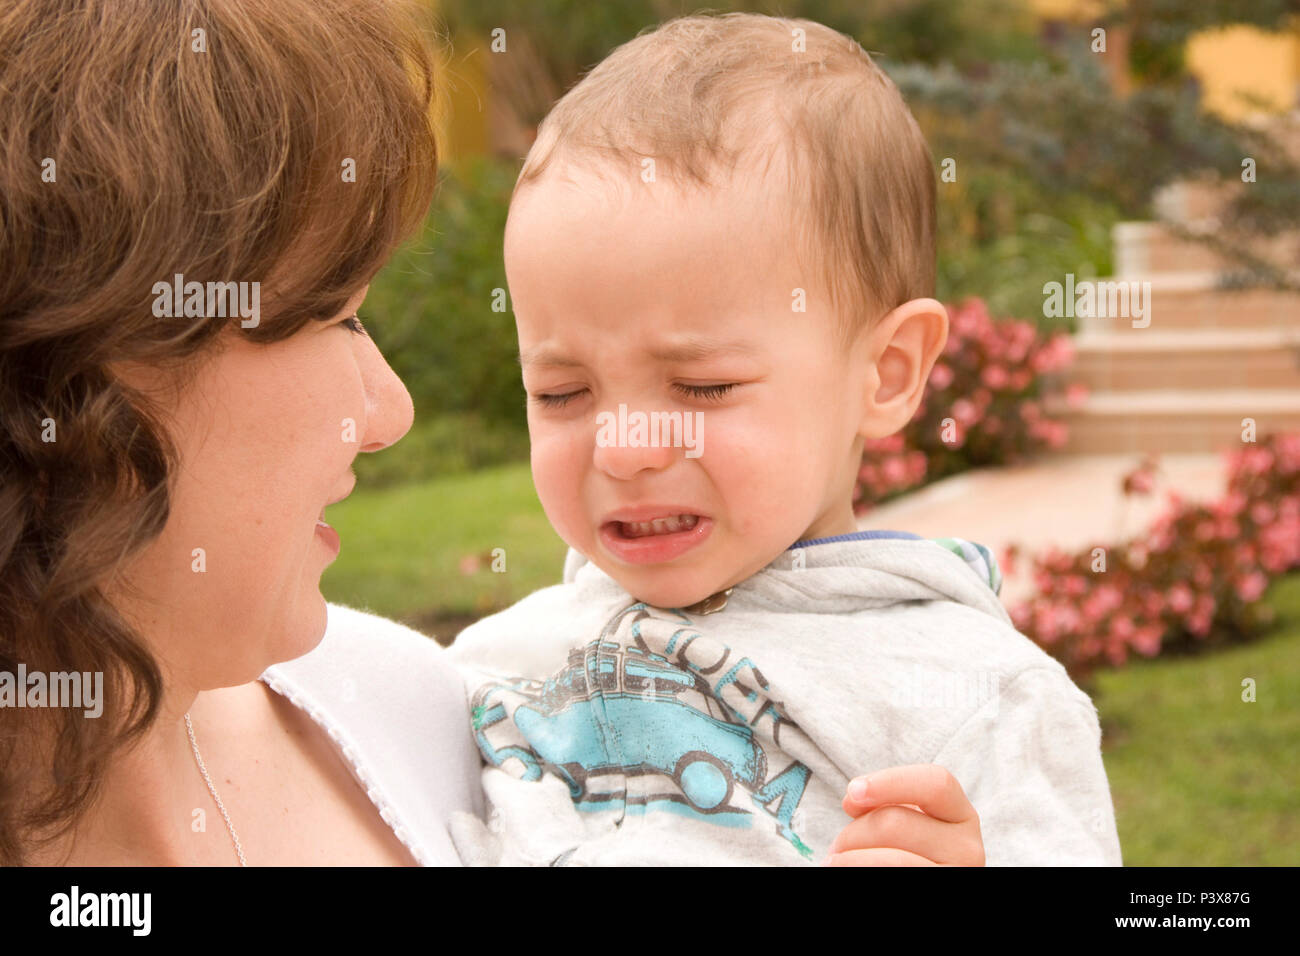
{"x": 643, "y": 529}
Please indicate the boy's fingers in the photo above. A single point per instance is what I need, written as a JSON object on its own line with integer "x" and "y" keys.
{"x": 895, "y": 827}
{"x": 878, "y": 857}
{"x": 927, "y": 786}
{"x": 898, "y": 828}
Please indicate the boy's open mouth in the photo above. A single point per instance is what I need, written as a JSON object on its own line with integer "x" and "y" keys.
{"x": 669, "y": 525}
{"x": 660, "y": 533}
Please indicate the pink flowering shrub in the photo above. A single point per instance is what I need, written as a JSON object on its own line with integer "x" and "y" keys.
{"x": 1195, "y": 578}
{"x": 983, "y": 405}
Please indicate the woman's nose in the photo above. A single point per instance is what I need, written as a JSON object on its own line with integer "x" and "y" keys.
{"x": 389, "y": 411}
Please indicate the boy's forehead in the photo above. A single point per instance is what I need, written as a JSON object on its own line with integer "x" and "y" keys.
{"x": 596, "y": 187}
{"x": 668, "y": 347}
{"x": 590, "y": 251}
{"x": 587, "y": 234}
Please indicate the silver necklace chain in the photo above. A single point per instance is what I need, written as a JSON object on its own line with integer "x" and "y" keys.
{"x": 239, "y": 851}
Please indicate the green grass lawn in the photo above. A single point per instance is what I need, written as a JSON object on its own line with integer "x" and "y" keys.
{"x": 1198, "y": 776}
{"x": 403, "y": 548}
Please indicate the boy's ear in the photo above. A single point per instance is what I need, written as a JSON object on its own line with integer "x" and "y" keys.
{"x": 901, "y": 349}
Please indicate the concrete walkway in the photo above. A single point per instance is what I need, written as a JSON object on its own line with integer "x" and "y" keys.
{"x": 1069, "y": 501}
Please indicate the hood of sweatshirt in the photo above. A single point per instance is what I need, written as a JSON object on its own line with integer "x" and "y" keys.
{"x": 599, "y": 717}
{"x": 846, "y": 573}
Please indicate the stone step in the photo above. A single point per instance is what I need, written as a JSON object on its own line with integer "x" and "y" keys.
{"x": 1066, "y": 502}
{"x": 1145, "y": 248}
{"x": 1195, "y": 200}
{"x": 1176, "y": 421}
{"x": 1187, "y": 301}
{"x": 1187, "y": 359}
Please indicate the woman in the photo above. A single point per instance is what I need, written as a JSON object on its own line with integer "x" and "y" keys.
{"x": 165, "y": 459}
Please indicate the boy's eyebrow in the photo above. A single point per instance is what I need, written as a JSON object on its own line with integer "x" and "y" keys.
{"x": 546, "y": 358}
{"x": 682, "y": 350}
{"x": 694, "y": 348}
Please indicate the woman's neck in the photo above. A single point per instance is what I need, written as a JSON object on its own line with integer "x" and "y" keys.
{"x": 146, "y": 806}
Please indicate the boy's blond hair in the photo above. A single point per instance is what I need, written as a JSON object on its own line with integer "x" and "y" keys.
{"x": 701, "y": 93}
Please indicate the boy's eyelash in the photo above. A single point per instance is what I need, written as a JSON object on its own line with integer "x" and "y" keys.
{"x": 354, "y": 325}
{"x": 557, "y": 401}
{"x": 708, "y": 392}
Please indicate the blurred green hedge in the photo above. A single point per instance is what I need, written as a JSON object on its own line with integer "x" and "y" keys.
{"x": 431, "y": 313}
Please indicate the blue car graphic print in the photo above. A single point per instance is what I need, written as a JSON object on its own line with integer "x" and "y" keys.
{"x": 619, "y": 711}
{"x": 653, "y": 731}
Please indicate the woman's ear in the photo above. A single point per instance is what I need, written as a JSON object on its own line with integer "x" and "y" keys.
{"x": 902, "y": 348}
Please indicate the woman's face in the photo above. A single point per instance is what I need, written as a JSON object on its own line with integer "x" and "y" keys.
{"x": 267, "y": 435}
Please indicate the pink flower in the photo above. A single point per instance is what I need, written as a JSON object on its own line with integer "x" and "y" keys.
{"x": 1022, "y": 615}
{"x": 1062, "y": 347}
{"x": 941, "y": 375}
{"x": 1147, "y": 640}
{"x": 1180, "y": 598}
{"x": 994, "y": 376}
{"x": 1262, "y": 512}
{"x": 1045, "y": 623}
{"x": 965, "y": 412}
{"x": 894, "y": 471}
{"x": 1251, "y": 587}
{"x": 1198, "y": 625}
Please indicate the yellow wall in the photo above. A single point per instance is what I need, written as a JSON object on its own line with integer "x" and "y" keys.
{"x": 1225, "y": 61}
{"x": 464, "y": 96}
{"x": 466, "y": 99}
{"x": 1067, "y": 9}
{"x": 1242, "y": 58}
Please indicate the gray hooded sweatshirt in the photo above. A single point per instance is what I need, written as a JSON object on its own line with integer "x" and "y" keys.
{"x": 617, "y": 733}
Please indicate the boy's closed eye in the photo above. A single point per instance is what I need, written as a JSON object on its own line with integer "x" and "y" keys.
{"x": 710, "y": 393}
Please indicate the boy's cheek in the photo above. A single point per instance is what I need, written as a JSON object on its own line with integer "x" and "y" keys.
{"x": 559, "y": 476}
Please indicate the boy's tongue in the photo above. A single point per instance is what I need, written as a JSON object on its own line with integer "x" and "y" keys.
{"x": 670, "y": 525}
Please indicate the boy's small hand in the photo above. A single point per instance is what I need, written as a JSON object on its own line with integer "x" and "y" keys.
{"x": 916, "y": 815}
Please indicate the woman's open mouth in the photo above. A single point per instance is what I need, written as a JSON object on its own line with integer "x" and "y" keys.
{"x": 328, "y": 535}
{"x": 654, "y": 540}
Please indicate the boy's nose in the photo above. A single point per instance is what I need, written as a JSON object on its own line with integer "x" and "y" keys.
{"x": 624, "y": 462}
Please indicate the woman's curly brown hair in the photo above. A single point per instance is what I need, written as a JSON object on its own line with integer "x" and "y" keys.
{"x": 140, "y": 139}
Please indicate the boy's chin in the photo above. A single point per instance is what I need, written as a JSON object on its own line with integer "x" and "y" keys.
{"x": 668, "y": 594}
